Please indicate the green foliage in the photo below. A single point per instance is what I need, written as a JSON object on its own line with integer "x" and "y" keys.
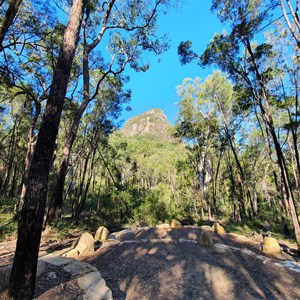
{"x": 8, "y": 222}
{"x": 185, "y": 53}
{"x": 153, "y": 210}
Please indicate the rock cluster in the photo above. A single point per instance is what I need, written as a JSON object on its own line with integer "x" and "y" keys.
{"x": 89, "y": 279}
{"x": 85, "y": 244}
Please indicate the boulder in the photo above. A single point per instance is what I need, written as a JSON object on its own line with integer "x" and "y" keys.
{"x": 71, "y": 253}
{"x": 162, "y": 226}
{"x": 218, "y": 228}
{"x": 119, "y": 234}
{"x": 102, "y": 234}
{"x": 270, "y": 245}
{"x": 85, "y": 244}
{"x": 176, "y": 224}
{"x": 205, "y": 239}
{"x": 206, "y": 227}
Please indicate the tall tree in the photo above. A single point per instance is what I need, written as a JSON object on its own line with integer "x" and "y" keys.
{"x": 244, "y": 61}
{"x": 23, "y": 274}
{"x": 137, "y": 21}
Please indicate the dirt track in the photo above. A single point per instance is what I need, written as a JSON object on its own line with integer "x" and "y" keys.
{"x": 169, "y": 264}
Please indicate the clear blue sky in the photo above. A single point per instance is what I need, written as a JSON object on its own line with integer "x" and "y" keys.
{"x": 156, "y": 88}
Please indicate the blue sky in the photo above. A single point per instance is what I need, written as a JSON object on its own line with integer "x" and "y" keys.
{"x": 156, "y": 88}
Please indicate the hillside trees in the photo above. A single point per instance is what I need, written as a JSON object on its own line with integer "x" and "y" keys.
{"x": 150, "y": 171}
{"x": 248, "y": 64}
{"x": 134, "y": 27}
{"x": 26, "y": 66}
{"x": 209, "y": 121}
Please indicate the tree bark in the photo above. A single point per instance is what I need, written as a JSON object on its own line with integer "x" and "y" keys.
{"x": 23, "y": 273}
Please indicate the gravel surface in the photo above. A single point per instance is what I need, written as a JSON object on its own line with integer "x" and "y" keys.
{"x": 169, "y": 264}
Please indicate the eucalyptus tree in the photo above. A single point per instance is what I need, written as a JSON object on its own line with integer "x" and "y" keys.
{"x": 26, "y": 65}
{"x": 236, "y": 54}
{"x": 197, "y": 124}
{"x": 23, "y": 273}
{"x": 34, "y": 23}
{"x": 285, "y": 90}
{"x": 131, "y": 27}
{"x": 94, "y": 134}
{"x": 216, "y": 96}
{"x": 291, "y": 16}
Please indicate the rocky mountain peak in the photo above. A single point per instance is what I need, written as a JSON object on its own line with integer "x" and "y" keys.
{"x": 152, "y": 122}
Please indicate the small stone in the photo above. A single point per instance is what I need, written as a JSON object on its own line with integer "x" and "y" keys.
{"x": 51, "y": 275}
{"x": 40, "y": 267}
{"x": 205, "y": 239}
{"x": 176, "y": 224}
{"x": 270, "y": 246}
{"x": 56, "y": 260}
{"x": 122, "y": 233}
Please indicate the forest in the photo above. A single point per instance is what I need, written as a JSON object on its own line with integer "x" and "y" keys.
{"x": 232, "y": 154}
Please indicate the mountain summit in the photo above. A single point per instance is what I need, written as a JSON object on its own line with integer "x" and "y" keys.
{"x": 152, "y": 122}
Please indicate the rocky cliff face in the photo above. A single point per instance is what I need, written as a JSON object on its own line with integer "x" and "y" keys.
{"x": 152, "y": 122}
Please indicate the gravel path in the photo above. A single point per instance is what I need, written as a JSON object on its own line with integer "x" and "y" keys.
{"x": 169, "y": 264}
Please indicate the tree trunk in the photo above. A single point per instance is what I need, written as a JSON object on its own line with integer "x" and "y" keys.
{"x": 23, "y": 273}
{"x": 10, "y": 15}
{"x": 12, "y": 192}
{"x": 268, "y": 119}
{"x": 293, "y": 30}
{"x": 9, "y": 167}
{"x": 56, "y": 202}
{"x": 29, "y": 154}
{"x": 80, "y": 203}
{"x": 279, "y": 194}
{"x": 238, "y": 216}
